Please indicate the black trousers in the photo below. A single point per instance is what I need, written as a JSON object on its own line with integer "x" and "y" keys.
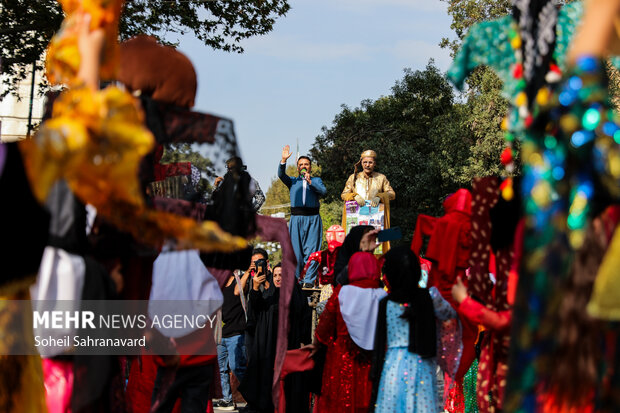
{"x": 191, "y": 384}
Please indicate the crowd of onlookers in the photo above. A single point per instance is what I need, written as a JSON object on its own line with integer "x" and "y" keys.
{"x": 375, "y": 346}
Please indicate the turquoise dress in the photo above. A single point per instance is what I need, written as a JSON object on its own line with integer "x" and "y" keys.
{"x": 409, "y": 382}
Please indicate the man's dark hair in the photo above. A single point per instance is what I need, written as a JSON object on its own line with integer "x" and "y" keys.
{"x": 304, "y": 157}
{"x": 261, "y": 252}
{"x": 235, "y": 161}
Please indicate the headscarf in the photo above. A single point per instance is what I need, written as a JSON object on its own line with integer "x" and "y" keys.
{"x": 364, "y": 270}
{"x": 359, "y": 301}
{"x": 350, "y": 246}
{"x": 402, "y": 271}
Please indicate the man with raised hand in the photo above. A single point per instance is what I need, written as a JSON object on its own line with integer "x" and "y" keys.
{"x": 305, "y": 226}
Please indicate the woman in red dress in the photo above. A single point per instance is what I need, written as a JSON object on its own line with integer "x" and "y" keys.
{"x": 347, "y": 328}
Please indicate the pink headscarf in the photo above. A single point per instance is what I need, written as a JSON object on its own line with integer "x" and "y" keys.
{"x": 364, "y": 270}
{"x": 359, "y": 300}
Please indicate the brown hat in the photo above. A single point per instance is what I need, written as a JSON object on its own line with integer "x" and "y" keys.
{"x": 159, "y": 71}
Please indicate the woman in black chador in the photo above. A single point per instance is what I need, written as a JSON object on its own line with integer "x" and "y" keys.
{"x": 256, "y": 386}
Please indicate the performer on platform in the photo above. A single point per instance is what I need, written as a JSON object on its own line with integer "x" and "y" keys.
{"x": 368, "y": 185}
{"x": 305, "y": 226}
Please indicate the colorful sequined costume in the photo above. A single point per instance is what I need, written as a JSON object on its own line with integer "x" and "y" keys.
{"x": 496, "y": 44}
{"x": 570, "y": 157}
{"x": 563, "y": 155}
{"x": 569, "y": 176}
{"x": 469, "y": 388}
{"x": 408, "y": 381}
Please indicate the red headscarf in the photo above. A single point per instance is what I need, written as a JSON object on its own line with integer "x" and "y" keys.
{"x": 364, "y": 270}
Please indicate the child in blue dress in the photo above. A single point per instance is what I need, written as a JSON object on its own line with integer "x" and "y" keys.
{"x": 410, "y": 321}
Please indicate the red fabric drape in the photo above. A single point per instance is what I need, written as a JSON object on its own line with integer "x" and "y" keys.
{"x": 275, "y": 229}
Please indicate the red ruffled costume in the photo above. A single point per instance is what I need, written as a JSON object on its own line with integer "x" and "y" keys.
{"x": 326, "y": 258}
{"x": 448, "y": 249}
{"x": 346, "y": 386}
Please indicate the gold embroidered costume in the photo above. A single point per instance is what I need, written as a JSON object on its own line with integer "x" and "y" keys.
{"x": 374, "y": 187}
{"x": 368, "y": 187}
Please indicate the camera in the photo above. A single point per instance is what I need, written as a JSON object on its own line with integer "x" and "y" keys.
{"x": 261, "y": 266}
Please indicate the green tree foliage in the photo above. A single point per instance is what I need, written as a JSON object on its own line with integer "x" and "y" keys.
{"x": 277, "y": 197}
{"x": 486, "y": 107}
{"x": 421, "y": 137}
{"x": 466, "y": 13}
{"x": 26, "y": 27}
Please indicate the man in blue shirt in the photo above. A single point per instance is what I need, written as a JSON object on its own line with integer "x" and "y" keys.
{"x": 305, "y": 226}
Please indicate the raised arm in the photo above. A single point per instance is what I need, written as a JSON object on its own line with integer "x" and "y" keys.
{"x": 443, "y": 310}
{"x": 243, "y": 281}
{"x": 479, "y": 314}
{"x": 286, "y": 153}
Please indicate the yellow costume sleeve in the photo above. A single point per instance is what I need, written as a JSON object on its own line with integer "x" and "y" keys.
{"x": 387, "y": 189}
{"x": 348, "y": 193}
{"x": 605, "y": 300}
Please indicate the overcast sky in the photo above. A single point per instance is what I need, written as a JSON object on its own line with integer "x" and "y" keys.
{"x": 322, "y": 54}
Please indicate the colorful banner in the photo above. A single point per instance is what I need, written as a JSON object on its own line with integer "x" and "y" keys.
{"x": 365, "y": 215}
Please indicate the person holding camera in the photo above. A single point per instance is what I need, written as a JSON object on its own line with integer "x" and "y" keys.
{"x": 260, "y": 271}
{"x": 262, "y": 328}
{"x": 256, "y": 387}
